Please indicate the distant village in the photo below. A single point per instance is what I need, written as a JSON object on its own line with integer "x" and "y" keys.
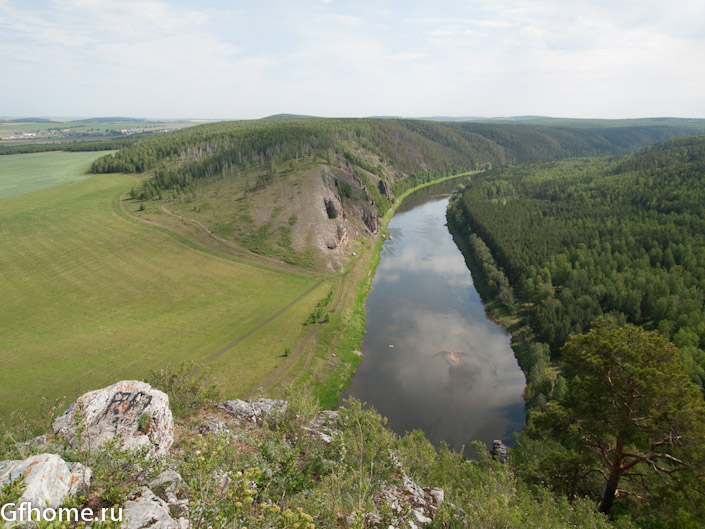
{"x": 56, "y": 133}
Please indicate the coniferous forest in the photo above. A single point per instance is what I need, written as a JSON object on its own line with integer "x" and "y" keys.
{"x": 421, "y": 150}
{"x": 603, "y": 262}
{"x": 582, "y": 238}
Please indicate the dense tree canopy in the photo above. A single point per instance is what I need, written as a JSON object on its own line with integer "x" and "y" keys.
{"x": 629, "y": 409}
{"x": 586, "y": 237}
{"x": 411, "y": 149}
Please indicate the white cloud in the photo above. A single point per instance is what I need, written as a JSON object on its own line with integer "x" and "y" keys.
{"x": 583, "y": 58}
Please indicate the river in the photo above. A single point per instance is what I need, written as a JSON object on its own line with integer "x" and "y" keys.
{"x": 432, "y": 360}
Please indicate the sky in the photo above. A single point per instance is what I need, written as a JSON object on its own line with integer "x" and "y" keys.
{"x": 249, "y": 59}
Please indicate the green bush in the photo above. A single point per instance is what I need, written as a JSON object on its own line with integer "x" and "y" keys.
{"x": 187, "y": 386}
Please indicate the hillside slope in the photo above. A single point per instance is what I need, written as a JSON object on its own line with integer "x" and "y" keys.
{"x": 581, "y": 238}
{"x": 306, "y": 190}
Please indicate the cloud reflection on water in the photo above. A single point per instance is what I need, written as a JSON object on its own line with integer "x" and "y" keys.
{"x": 451, "y": 371}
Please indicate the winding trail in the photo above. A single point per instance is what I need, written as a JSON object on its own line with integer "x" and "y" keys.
{"x": 280, "y": 370}
{"x": 276, "y": 375}
{"x": 262, "y": 324}
{"x": 240, "y": 251}
{"x": 303, "y": 346}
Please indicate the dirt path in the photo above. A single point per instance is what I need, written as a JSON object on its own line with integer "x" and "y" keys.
{"x": 280, "y": 371}
{"x": 275, "y": 376}
{"x": 262, "y": 324}
{"x": 238, "y": 250}
{"x": 310, "y": 354}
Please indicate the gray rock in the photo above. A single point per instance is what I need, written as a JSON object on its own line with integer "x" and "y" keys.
{"x": 417, "y": 504}
{"x": 36, "y": 442}
{"x": 332, "y": 208}
{"x": 168, "y": 481}
{"x": 252, "y": 411}
{"x": 437, "y": 495}
{"x": 148, "y": 510}
{"x": 213, "y": 426}
{"x": 385, "y": 189}
{"x": 499, "y": 451}
{"x": 129, "y": 409}
{"x": 323, "y": 425}
{"x": 47, "y": 479}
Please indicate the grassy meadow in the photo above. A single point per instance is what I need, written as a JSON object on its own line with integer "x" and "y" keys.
{"x": 29, "y": 172}
{"x": 91, "y": 296}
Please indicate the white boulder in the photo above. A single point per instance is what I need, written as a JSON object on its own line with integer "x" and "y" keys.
{"x": 129, "y": 409}
{"x": 47, "y": 479}
{"x": 252, "y": 411}
{"x": 148, "y": 510}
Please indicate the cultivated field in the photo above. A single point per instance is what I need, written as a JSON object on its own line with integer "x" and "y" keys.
{"x": 28, "y": 172}
{"x": 91, "y": 295}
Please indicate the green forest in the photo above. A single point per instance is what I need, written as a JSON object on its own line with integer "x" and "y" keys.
{"x": 581, "y": 238}
{"x": 421, "y": 150}
{"x": 613, "y": 246}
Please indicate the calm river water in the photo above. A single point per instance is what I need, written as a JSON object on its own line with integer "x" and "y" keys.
{"x": 431, "y": 358}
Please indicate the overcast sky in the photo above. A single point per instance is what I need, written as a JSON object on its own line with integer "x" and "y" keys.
{"x": 249, "y": 59}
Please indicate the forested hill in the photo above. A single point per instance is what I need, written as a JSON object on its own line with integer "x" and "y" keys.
{"x": 580, "y": 238}
{"x": 407, "y": 146}
{"x": 237, "y": 177}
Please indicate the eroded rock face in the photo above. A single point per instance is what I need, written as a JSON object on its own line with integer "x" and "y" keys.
{"x": 47, "y": 479}
{"x": 129, "y": 409}
{"x": 213, "y": 426}
{"x": 499, "y": 451}
{"x": 371, "y": 221}
{"x": 384, "y": 189}
{"x": 332, "y": 208}
{"x": 148, "y": 510}
{"x": 252, "y": 411}
{"x": 418, "y": 505}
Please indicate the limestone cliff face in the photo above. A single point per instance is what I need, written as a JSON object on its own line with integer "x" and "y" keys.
{"x": 312, "y": 213}
{"x": 346, "y": 215}
{"x": 385, "y": 189}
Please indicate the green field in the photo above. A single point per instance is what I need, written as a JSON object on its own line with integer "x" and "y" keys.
{"x": 91, "y": 295}
{"x": 29, "y": 172}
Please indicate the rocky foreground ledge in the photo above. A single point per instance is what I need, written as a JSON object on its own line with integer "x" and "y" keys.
{"x": 133, "y": 417}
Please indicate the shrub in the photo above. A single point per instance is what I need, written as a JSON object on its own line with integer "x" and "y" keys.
{"x": 188, "y": 386}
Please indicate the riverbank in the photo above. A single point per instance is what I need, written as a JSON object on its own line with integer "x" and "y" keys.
{"x": 346, "y": 328}
{"x": 433, "y": 361}
{"x": 515, "y": 322}
{"x": 496, "y": 311}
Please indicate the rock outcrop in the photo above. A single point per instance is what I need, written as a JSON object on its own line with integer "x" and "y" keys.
{"x": 499, "y": 451}
{"x": 213, "y": 426}
{"x": 169, "y": 485}
{"x": 385, "y": 189}
{"x": 371, "y": 221}
{"x": 148, "y": 510}
{"x": 333, "y": 209}
{"x": 47, "y": 479}
{"x": 411, "y": 504}
{"x": 323, "y": 426}
{"x": 255, "y": 410}
{"x": 129, "y": 409}
{"x": 417, "y": 505}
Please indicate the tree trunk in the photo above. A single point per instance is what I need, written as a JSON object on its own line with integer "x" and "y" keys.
{"x": 611, "y": 487}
